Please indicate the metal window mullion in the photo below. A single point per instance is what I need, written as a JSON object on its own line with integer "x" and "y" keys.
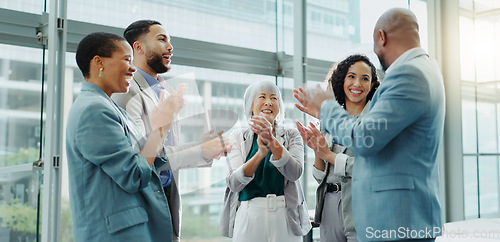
{"x": 299, "y": 59}
{"x": 51, "y": 211}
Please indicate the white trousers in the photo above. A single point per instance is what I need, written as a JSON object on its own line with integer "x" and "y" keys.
{"x": 263, "y": 219}
{"x": 332, "y": 221}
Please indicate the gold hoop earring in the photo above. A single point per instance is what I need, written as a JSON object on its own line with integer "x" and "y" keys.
{"x": 100, "y": 72}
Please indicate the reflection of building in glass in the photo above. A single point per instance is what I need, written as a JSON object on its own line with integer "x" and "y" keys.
{"x": 20, "y": 98}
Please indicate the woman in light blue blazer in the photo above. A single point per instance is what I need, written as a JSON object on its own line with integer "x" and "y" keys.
{"x": 353, "y": 81}
{"x": 115, "y": 194}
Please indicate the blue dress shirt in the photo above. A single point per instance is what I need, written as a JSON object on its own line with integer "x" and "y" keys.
{"x": 165, "y": 175}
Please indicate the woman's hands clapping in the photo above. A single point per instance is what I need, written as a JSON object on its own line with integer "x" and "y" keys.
{"x": 263, "y": 128}
{"x": 314, "y": 139}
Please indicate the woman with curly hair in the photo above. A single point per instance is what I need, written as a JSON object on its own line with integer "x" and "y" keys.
{"x": 353, "y": 81}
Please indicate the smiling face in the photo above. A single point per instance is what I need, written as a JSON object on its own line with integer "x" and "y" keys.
{"x": 117, "y": 70}
{"x": 266, "y": 104}
{"x": 357, "y": 83}
{"x": 158, "y": 49}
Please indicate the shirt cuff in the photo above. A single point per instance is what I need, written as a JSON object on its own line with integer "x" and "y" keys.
{"x": 201, "y": 153}
{"x": 240, "y": 176}
{"x": 340, "y": 164}
{"x": 285, "y": 157}
{"x": 319, "y": 174}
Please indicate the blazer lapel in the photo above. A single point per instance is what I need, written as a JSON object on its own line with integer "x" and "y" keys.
{"x": 246, "y": 144}
{"x": 145, "y": 88}
{"x": 280, "y": 135}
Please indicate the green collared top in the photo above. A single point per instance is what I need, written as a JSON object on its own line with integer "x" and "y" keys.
{"x": 267, "y": 179}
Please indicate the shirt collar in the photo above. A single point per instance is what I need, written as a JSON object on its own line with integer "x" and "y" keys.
{"x": 152, "y": 82}
{"x": 149, "y": 79}
{"x": 365, "y": 110}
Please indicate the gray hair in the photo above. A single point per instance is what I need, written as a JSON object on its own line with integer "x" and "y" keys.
{"x": 256, "y": 88}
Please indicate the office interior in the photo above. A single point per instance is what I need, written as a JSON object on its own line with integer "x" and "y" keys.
{"x": 220, "y": 47}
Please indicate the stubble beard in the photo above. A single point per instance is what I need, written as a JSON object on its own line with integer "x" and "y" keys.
{"x": 382, "y": 62}
{"x": 155, "y": 61}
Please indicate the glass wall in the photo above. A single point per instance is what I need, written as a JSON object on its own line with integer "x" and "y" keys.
{"x": 264, "y": 28}
{"x": 243, "y": 23}
{"x": 20, "y": 141}
{"x": 480, "y": 74}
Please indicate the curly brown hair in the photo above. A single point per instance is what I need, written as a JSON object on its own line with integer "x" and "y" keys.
{"x": 338, "y": 76}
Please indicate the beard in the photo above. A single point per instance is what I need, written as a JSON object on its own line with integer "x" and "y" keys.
{"x": 382, "y": 62}
{"x": 155, "y": 61}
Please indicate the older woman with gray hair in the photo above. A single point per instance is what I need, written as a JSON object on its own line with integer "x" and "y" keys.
{"x": 264, "y": 199}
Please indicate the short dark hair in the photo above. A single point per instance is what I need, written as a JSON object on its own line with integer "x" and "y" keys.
{"x": 338, "y": 77}
{"x": 98, "y": 43}
{"x": 137, "y": 29}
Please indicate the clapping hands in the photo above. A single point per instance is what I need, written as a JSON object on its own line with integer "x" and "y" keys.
{"x": 263, "y": 128}
{"x": 314, "y": 139}
{"x": 310, "y": 99}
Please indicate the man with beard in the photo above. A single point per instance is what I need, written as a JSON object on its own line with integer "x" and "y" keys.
{"x": 395, "y": 186}
{"x": 152, "y": 52}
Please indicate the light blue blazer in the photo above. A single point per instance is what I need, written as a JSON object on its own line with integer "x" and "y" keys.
{"x": 115, "y": 195}
{"x": 395, "y": 187}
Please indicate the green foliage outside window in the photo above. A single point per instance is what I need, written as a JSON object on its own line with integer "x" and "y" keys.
{"x": 197, "y": 227}
{"x": 18, "y": 217}
{"x": 23, "y": 156}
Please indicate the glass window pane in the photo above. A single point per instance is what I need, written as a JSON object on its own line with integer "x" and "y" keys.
{"x": 20, "y": 120}
{"x": 30, "y": 6}
{"x": 285, "y": 25}
{"x": 244, "y": 23}
{"x": 467, "y": 4}
{"x": 487, "y": 63}
{"x": 485, "y": 5}
{"x": 487, "y": 118}
{"x": 467, "y": 54}
{"x": 19, "y": 193}
{"x": 20, "y": 104}
{"x": 419, "y": 7}
{"x": 488, "y": 186}
{"x": 471, "y": 201}
{"x": 352, "y": 28}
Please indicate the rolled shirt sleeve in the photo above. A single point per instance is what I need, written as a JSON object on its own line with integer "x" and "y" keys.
{"x": 340, "y": 165}
{"x": 319, "y": 175}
